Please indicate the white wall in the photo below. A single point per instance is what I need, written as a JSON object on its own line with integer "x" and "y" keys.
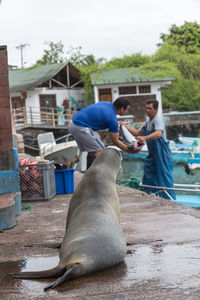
{"x": 155, "y": 89}
{"x": 33, "y": 98}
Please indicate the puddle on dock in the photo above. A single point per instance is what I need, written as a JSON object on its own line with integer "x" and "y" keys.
{"x": 27, "y": 287}
{"x": 174, "y": 265}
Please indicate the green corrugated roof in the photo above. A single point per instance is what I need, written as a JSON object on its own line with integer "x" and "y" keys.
{"x": 126, "y": 75}
{"x": 26, "y": 79}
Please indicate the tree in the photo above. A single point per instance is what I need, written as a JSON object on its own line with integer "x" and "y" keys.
{"x": 182, "y": 95}
{"x": 53, "y": 55}
{"x": 78, "y": 59}
{"x": 127, "y": 61}
{"x": 186, "y": 37}
{"x": 181, "y": 50}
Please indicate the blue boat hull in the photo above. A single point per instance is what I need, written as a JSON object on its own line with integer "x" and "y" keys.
{"x": 188, "y": 200}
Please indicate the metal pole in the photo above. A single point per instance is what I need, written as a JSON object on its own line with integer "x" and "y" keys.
{"x": 20, "y": 47}
{"x": 162, "y": 188}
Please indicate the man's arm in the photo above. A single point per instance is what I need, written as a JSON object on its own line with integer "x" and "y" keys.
{"x": 134, "y": 131}
{"x": 118, "y": 143}
{"x": 153, "y": 136}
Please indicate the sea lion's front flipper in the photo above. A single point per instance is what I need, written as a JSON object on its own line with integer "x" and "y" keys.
{"x": 146, "y": 241}
{"x": 55, "y": 245}
{"x": 63, "y": 278}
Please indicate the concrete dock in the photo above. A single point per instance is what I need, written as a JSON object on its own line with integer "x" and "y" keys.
{"x": 162, "y": 263}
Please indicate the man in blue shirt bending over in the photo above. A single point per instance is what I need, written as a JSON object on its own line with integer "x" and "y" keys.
{"x": 99, "y": 116}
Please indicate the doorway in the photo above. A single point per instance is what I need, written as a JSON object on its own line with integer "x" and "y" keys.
{"x": 48, "y": 111}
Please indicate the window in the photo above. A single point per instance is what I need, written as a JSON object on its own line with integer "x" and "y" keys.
{"x": 104, "y": 92}
{"x": 17, "y": 102}
{"x": 144, "y": 89}
{"x": 105, "y": 95}
{"x": 127, "y": 90}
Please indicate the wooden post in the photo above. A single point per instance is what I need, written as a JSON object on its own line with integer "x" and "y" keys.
{"x": 10, "y": 196}
{"x": 53, "y": 117}
{"x": 25, "y": 116}
{"x": 31, "y": 115}
{"x": 6, "y": 145}
{"x": 68, "y": 85}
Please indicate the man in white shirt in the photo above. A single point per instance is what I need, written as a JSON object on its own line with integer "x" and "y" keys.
{"x": 158, "y": 165}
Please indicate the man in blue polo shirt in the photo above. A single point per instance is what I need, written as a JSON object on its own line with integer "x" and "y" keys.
{"x": 99, "y": 116}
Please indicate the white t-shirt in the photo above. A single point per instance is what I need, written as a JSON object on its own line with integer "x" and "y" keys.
{"x": 155, "y": 124}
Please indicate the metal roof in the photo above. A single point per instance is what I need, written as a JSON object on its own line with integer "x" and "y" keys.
{"x": 125, "y": 75}
{"x": 26, "y": 79}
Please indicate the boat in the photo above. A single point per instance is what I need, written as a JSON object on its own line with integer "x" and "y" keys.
{"x": 181, "y": 153}
{"x": 189, "y": 140}
{"x": 59, "y": 152}
{"x": 62, "y": 151}
{"x": 189, "y": 198}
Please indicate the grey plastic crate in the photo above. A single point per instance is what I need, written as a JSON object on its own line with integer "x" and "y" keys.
{"x": 37, "y": 181}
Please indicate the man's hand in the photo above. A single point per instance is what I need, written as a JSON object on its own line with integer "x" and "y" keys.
{"x": 133, "y": 150}
{"x": 141, "y": 139}
{"x": 121, "y": 123}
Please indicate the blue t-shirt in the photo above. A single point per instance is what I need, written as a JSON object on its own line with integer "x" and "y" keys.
{"x": 99, "y": 116}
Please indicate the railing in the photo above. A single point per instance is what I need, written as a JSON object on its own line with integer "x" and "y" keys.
{"x": 41, "y": 117}
{"x": 182, "y": 118}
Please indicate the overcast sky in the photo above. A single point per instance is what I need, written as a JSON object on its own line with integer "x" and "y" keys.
{"x": 104, "y": 28}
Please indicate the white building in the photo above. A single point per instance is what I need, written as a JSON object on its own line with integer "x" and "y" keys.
{"x": 40, "y": 91}
{"x": 131, "y": 83}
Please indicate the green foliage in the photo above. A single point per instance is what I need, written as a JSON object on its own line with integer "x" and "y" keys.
{"x": 135, "y": 60}
{"x": 189, "y": 66}
{"x": 168, "y": 52}
{"x": 86, "y": 72}
{"x": 74, "y": 55}
{"x": 182, "y": 95}
{"x": 186, "y": 36}
{"x": 85, "y": 77}
{"x": 89, "y": 65}
{"x": 52, "y": 55}
{"x": 181, "y": 49}
{"x": 78, "y": 59}
{"x": 158, "y": 69}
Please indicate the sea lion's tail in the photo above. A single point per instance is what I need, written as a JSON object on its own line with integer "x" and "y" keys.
{"x": 54, "y": 272}
{"x": 64, "y": 277}
{"x": 64, "y": 274}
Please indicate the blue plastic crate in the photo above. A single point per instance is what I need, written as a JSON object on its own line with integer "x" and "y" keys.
{"x": 64, "y": 181}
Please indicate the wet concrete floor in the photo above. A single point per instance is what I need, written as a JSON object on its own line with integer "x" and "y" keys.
{"x": 162, "y": 263}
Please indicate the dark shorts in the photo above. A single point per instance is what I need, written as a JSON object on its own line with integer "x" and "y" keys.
{"x": 87, "y": 139}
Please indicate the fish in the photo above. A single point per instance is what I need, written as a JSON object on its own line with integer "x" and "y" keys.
{"x": 129, "y": 140}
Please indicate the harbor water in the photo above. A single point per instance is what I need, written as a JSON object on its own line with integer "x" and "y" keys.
{"x": 133, "y": 168}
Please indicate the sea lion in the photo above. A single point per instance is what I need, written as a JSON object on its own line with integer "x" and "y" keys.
{"x": 93, "y": 238}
